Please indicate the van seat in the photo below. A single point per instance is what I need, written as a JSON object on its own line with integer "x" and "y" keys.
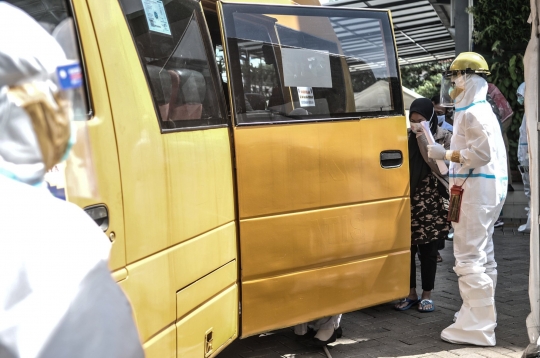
{"x": 161, "y": 83}
{"x": 257, "y": 101}
{"x": 187, "y": 95}
{"x": 276, "y": 101}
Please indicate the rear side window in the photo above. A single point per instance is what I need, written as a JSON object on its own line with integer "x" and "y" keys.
{"x": 291, "y": 63}
{"x": 57, "y": 18}
{"x": 172, "y": 41}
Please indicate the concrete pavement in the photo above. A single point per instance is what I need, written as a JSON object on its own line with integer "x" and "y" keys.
{"x": 383, "y": 332}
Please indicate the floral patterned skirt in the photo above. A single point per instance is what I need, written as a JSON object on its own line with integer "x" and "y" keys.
{"x": 429, "y": 210}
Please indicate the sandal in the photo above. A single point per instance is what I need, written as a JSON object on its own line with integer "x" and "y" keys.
{"x": 422, "y": 306}
{"x": 439, "y": 258}
{"x": 406, "y": 300}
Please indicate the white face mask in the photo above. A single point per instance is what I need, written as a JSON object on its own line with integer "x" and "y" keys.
{"x": 440, "y": 119}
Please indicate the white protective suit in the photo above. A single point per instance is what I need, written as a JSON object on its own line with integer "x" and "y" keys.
{"x": 477, "y": 136}
{"x": 324, "y": 327}
{"x": 57, "y": 296}
{"x": 523, "y": 158}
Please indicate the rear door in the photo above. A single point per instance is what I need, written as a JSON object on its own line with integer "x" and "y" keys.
{"x": 175, "y": 163}
{"x": 321, "y": 161}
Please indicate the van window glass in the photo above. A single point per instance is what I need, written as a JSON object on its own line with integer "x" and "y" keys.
{"x": 178, "y": 60}
{"x": 56, "y": 17}
{"x": 291, "y": 64}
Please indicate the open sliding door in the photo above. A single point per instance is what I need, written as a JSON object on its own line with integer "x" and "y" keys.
{"x": 321, "y": 159}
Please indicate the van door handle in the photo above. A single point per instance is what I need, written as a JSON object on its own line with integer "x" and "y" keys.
{"x": 391, "y": 159}
{"x": 100, "y": 214}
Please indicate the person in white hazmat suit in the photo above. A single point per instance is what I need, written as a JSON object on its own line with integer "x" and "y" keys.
{"x": 523, "y": 158}
{"x": 478, "y": 167}
{"x": 57, "y": 296}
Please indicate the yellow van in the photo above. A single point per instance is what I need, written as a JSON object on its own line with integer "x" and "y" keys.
{"x": 251, "y": 161}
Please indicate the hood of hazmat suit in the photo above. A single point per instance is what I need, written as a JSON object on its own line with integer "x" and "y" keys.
{"x": 57, "y": 296}
{"x": 482, "y": 173}
{"x": 20, "y": 154}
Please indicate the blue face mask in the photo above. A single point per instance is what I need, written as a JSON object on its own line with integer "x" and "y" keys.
{"x": 520, "y": 100}
{"x": 441, "y": 118}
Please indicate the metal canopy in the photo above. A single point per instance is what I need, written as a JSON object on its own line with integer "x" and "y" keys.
{"x": 420, "y": 34}
{"x": 44, "y": 11}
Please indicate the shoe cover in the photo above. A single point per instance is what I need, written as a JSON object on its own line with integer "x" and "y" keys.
{"x": 533, "y": 328}
{"x": 476, "y": 321}
{"x": 532, "y": 351}
{"x": 474, "y": 333}
{"x": 526, "y": 228}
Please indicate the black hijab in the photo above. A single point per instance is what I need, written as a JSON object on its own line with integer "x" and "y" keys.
{"x": 418, "y": 168}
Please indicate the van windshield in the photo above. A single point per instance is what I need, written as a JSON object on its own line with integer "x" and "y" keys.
{"x": 310, "y": 63}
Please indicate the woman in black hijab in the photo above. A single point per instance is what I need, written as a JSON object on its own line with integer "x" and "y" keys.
{"x": 429, "y": 203}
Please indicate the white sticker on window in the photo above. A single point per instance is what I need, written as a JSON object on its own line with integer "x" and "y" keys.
{"x": 306, "y": 97}
{"x": 156, "y": 16}
{"x": 306, "y": 68}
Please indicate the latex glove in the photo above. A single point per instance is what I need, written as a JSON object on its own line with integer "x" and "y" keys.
{"x": 436, "y": 151}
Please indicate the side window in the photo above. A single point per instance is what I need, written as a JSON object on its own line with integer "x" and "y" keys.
{"x": 58, "y": 20}
{"x": 302, "y": 64}
{"x": 177, "y": 57}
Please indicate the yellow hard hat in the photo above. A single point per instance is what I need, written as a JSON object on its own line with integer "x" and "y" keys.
{"x": 469, "y": 62}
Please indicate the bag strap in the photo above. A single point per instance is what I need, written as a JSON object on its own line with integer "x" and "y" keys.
{"x": 468, "y": 175}
{"x": 442, "y": 179}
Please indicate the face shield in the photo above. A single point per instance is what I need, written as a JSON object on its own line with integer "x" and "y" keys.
{"x": 453, "y": 88}
{"x": 56, "y": 105}
{"x": 521, "y": 93}
{"x": 77, "y": 166}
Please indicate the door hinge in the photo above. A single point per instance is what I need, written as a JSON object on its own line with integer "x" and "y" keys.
{"x": 239, "y": 308}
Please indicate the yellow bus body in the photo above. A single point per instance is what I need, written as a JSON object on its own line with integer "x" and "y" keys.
{"x": 191, "y": 229}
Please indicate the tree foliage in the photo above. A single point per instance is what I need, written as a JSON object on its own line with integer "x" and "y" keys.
{"x": 424, "y": 78}
{"x": 501, "y": 36}
{"x": 501, "y": 26}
